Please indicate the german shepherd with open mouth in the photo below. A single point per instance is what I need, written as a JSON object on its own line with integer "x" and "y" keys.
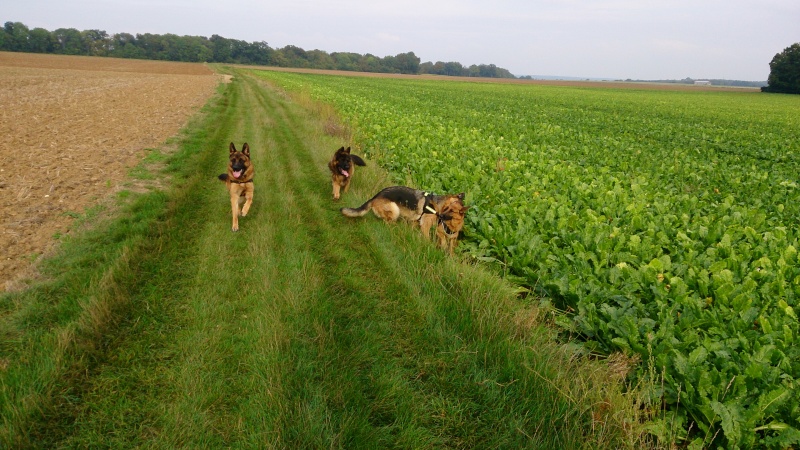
{"x": 239, "y": 181}
{"x": 426, "y": 210}
{"x": 342, "y": 166}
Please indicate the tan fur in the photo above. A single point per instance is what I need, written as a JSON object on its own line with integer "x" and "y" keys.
{"x": 390, "y": 211}
{"x": 241, "y": 186}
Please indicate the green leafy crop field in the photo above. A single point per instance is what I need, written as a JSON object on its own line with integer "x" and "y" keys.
{"x": 664, "y": 224}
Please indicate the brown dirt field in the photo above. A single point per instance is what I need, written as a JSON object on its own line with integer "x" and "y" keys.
{"x": 73, "y": 127}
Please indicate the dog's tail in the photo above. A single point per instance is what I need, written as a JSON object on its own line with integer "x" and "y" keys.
{"x": 358, "y": 212}
{"x": 357, "y": 160}
{"x": 223, "y": 177}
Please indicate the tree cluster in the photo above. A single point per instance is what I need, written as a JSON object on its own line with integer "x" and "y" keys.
{"x": 16, "y": 37}
{"x": 455, "y": 69}
{"x": 784, "y": 75}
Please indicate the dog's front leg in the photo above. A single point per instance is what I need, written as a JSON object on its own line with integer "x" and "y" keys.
{"x": 426, "y": 222}
{"x": 452, "y": 242}
{"x": 441, "y": 239}
{"x": 235, "y": 210}
{"x": 248, "y": 200}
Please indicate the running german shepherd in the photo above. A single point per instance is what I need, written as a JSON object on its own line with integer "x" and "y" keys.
{"x": 239, "y": 181}
{"x": 446, "y": 212}
{"x": 341, "y": 166}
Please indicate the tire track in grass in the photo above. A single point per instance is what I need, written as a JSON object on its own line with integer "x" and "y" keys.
{"x": 236, "y": 364}
{"x": 274, "y": 254}
{"x": 333, "y": 348}
{"x": 288, "y": 214}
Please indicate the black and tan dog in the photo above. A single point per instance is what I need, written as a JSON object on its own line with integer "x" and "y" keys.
{"x": 449, "y": 221}
{"x": 342, "y": 166}
{"x": 446, "y": 212}
{"x": 239, "y": 181}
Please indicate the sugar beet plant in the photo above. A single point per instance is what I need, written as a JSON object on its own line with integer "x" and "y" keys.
{"x": 664, "y": 223}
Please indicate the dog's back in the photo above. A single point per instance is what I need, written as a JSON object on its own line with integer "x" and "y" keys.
{"x": 391, "y": 203}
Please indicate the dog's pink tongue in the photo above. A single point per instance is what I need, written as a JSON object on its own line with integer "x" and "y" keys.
{"x": 237, "y": 173}
{"x": 345, "y": 173}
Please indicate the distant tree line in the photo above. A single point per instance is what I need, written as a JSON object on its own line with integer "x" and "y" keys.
{"x": 457, "y": 70}
{"x": 16, "y": 37}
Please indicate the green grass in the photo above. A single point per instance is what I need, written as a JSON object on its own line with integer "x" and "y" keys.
{"x": 160, "y": 328}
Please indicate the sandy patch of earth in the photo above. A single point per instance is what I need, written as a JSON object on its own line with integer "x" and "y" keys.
{"x": 73, "y": 127}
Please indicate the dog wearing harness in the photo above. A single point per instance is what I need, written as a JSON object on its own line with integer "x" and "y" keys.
{"x": 419, "y": 207}
{"x": 449, "y": 221}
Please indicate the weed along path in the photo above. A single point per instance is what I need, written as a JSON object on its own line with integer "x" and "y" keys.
{"x": 305, "y": 329}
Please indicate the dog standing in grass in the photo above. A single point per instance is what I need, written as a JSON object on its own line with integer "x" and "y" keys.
{"x": 446, "y": 212}
{"x": 239, "y": 181}
{"x": 449, "y": 221}
{"x": 342, "y": 166}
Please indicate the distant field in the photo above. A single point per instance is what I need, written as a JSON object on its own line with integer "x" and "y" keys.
{"x": 573, "y": 83}
{"x": 73, "y": 126}
{"x": 664, "y": 223}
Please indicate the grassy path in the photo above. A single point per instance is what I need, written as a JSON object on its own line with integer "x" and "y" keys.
{"x": 302, "y": 330}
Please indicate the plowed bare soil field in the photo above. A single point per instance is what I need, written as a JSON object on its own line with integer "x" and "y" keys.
{"x": 72, "y": 128}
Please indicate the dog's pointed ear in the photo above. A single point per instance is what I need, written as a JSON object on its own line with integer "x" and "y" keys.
{"x": 341, "y": 149}
{"x": 232, "y": 148}
{"x": 347, "y": 150}
{"x": 246, "y": 149}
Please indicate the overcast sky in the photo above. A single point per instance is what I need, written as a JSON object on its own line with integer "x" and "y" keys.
{"x": 638, "y": 39}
